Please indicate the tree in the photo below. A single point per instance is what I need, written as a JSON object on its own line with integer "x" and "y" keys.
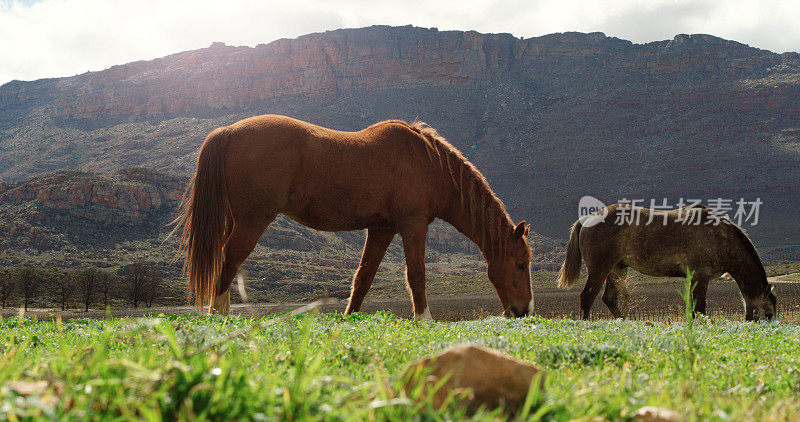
{"x": 87, "y": 281}
{"x": 153, "y": 288}
{"x": 8, "y": 285}
{"x": 141, "y": 285}
{"x": 28, "y": 283}
{"x": 63, "y": 288}
{"x": 106, "y": 282}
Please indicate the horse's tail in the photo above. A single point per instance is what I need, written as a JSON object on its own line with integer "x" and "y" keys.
{"x": 206, "y": 220}
{"x": 572, "y": 261}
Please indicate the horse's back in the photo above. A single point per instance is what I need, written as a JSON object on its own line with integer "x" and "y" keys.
{"x": 324, "y": 178}
{"x": 662, "y": 243}
{"x": 276, "y": 135}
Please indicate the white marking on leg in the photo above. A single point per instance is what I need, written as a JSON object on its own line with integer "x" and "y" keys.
{"x": 221, "y": 304}
{"x": 240, "y": 284}
{"x": 530, "y": 307}
{"x": 424, "y": 316}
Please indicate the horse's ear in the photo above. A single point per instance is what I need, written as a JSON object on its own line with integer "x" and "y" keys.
{"x": 520, "y": 230}
{"x": 527, "y": 229}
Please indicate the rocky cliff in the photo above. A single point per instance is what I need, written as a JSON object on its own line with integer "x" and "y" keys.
{"x": 232, "y": 78}
{"x": 86, "y": 208}
{"x": 547, "y": 119}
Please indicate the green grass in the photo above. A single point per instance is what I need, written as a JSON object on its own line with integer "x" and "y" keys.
{"x": 333, "y": 367}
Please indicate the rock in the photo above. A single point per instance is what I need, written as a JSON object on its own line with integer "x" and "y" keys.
{"x": 29, "y": 388}
{"x": 655, "y": 414}
{"x": 489, "y": 377}
{"x": 45, "y": 395}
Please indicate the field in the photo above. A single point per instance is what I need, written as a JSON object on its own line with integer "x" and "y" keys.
{"x": 332, "y": 367}
{"x": 165, "y": 363}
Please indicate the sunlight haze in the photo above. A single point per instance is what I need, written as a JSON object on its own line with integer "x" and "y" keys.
{"x": 53, "y": 38}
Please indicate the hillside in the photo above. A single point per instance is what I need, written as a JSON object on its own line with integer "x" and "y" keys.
{"x": 546, "y": 119}
{"x": 72, "y": 219}
{"x": 72, "y": 207}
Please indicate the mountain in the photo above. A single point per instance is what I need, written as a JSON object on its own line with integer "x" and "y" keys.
{"x": 547, "y": 119}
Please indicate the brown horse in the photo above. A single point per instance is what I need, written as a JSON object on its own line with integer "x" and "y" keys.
{"x": 664, "y": 244}
{"x": 390, "y": 178}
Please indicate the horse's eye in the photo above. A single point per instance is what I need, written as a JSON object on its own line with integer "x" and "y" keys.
{"x": 520, "y": 265}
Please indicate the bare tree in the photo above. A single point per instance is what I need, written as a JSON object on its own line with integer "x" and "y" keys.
{"x": 29, "y": 281}
{"x": 8, "y": 285}
{"x": 63, "y": 288}
{"x": 138, "y": 284}
{"x": 153, "y": 288}
{"x": 87, "y": 281}
{"x": 106, "y": 282}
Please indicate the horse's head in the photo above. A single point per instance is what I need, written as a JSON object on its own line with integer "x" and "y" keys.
{"x": 766, "y": 305}
{"x": 769, "y": 306}
{"x": 510, "y": 274}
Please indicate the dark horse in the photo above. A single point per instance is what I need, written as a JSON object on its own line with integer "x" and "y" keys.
{"x": 390, "y": 178}
{"x": 664, "y": 244}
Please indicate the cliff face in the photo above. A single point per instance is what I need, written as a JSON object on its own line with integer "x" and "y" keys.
{"x": 546, "y": 119}
{"x": 43, "y": 212}
{"x": 128, "y": 196}
{"x": 224, "y": 77}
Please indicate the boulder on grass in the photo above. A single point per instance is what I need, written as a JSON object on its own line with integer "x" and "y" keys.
{"x": 476, "y": 375}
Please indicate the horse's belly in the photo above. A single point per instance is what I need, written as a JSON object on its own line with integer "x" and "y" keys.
{"x": 339, "y": 225}
{"x": 330, "y": 218}
{"x": 659, "y": 266}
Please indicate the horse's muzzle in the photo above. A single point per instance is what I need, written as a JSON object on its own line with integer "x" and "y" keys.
{"x": 514, "y": 312}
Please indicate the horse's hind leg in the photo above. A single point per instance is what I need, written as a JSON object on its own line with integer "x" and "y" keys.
{"x": 241, "y": 242}
{"x": 593, "y": 285}
{"x": 611, "y": 295}
{"x": 375, "y": 246}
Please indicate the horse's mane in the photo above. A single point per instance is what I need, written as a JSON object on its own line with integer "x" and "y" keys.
{"x": 749, "y": 247}
{"x": 476, "y": 197}
{"x": 741, "y": 235}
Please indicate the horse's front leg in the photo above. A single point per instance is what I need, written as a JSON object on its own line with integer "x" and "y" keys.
{"x": 378, "y": 240}
{"x": 750, "y": 313}
{"x": 414, "y": 249}
{"x": 699, "y": 291}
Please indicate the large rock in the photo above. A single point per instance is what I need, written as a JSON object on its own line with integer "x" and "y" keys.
{"x": 487, "y": 376}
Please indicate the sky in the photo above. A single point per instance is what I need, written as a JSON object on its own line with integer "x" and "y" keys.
{"x": 53, "y": 38}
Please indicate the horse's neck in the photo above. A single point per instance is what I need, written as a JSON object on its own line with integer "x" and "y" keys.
{"x": 468, "y": 202}
{"x": 479, "y": 218}
{"x": 748, "y": 272}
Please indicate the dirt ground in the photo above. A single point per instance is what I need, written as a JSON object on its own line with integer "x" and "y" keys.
{"x": 649, "y": 301}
